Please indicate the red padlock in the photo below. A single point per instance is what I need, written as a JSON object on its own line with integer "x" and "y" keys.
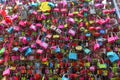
{"x": 108, "y": 49}
{"x": 91, "y": 28}
{"x": 1, "y": 61}
{"x": 96, "y": 34}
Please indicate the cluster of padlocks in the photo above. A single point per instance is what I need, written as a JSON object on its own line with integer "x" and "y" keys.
{"x": 59, "y": 40}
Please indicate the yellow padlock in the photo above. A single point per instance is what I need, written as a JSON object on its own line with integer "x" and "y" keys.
{"x": 65, "y": 25}
{"x": 56, "y": 36}
{"x": 85, "y": 31}
{"x": 12, "y": 68}
{"x": 87, "y": 24}
{"x": 45, "y": 7}
{"x": 91, "y": 22}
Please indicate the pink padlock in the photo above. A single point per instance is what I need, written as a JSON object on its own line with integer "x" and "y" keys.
{"x": 13, "y": 58}
{"x": 64, "y": 10}
{"x": 39, "y": 51}
{"x": 44, "y": 59}
{"x": 6, "y": 72}
{"x": 80, "y": 24}
{"x": 44, "y": 29}
{"x": 49, "y": 36}
{"x": 80, "y": 15}
{"x": 15, "y": 17}
{"x": 96, "y": 46}
{"x": 107, "y": 20}
{"x": 71, "y": 32}
{"x": 115, "y": 36}
{"x": 85, "y": 10}
{"x": 111, "y": 11}
{"x": 43, "y": 16}
{"x": 108, "y": 26}
{"x": 101, "y": 22}
{"x": 98, "y": 28}
{"x": 116, "y": 49}
{"x": 33, "y": 46}
{"x": 56, "y": 9}
{"x": 71, "y": 21}
{"x": 24, "y": 48}
{"x": 44, "y": 45}
{"x": 66, "y": 39}
{"x": 38, "y": 25}
{"x": 24, "y": 40}
{"x": 111, "y": 39}
{"x": 38, "y": 42}
{"x": 22, "y": 23}
{"x": 60, "y": 26}
{"x": 16, "y": 28}
{"x": 33, "y": 27}
{"x": 70, "y": 15}
{"x": 99, "y": 5}
{"x": 92, "y": 68}
{"x": 34, "y": 13}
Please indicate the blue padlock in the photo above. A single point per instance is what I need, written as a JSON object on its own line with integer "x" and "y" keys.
{"x": 100, "y": 43}
{"x": 28, "y": 51}
{"x": 51, "y": 65}
{"x": 15, "y": 49}
{"x": 73, "y": 56}
{"x": 10, "y": 30}
{"x": 64, "y": 77}
{"x": 112, "y": 56}
{"x": 2, "y": 1}
{"x": 34, "y": 4}
{"x": 102, "y": 31}
{"x": 57, "y": 50}
{"x": 51, "y": 5}
{"x": 85, "y": 4}
{"x": 1, "y": 38}
{"x": 28, "y": 39}
{"x": 88, "y": 34}
{"x": 37, "y": 65}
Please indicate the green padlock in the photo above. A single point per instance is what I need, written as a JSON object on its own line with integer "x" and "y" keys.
{"x": 62, "y": 50}
{"x": 59, "y": 78}
{"x": 118, "y": 49}
{"x": 46, "y": 14}
{"x": 23, "y": 33}
{"x": 50, "y": 71}
{"x": 114, "y": 65}
{"x": 88, "y": 0}
{"x": 76, "y": 20}
{"x": 48, "y": 21}
{"x": 23, "y": 78}
{"x": 114, "y": 78}
{"x": 51, "y": 78}
{"x": 118, "y": 41}
{"x": 80, "y": 20}
{"x": 114, "y": 69}
{"x": 102, "y": 66}
{"x": 34, "y": 33}
{"x": 2, "y": 51}
{"x": 56, "y": 65}
{"x": 71, "y": 37}
{"x": 87, "y": 64}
